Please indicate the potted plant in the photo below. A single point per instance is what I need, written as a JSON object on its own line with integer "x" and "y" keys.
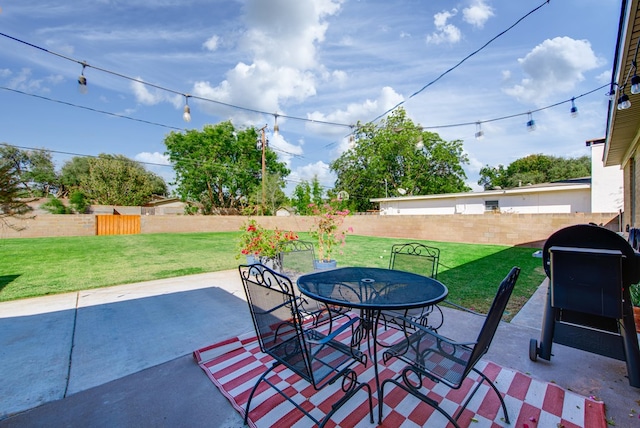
{"x": 328, "y": 232}
{"x": 260, "y": 245}
{"x": 634, "y": 290}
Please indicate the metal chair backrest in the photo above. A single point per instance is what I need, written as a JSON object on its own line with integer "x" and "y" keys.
{"x": 296, "y": 257}
{"x": 416, "y": 258}
{"x": 277, "y": 321}
{"x": 279, "y": 326}
{"x": 493, "y": 318}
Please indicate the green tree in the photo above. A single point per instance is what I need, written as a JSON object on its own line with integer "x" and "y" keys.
{"x": 534, "y": 169}
{"x": 316, "y": 191}
{"x": 398, "y": 154}
{"x": 11, "y": 205}
{"x": 34, "y": 169}
{"x": 56, "y": 206}
{"x": 220, "y": 167}
{"x": 302, "y": 198}
{"x": 306, "y": 193}
{"x": 118, "y": 180}
{"x": 274, "y": 195}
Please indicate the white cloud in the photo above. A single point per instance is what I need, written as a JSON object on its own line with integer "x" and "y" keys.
{"x": 285, "y": 150}
{"x": 23, "y": 81}
{"x": 554, "y": 67}
{"x": 212, "y": 43}
{"x": 445, "y": 33}
{"x": 604, "y": 77}
{"x": 281, "y": 38}
{"x": 318, "y": 169}
{"x": 387, "y": 99}
{"x": 155, "y": 96}
{"x": 5, "y": 72}
{"x": 477, "y": 14}
{"x": 155, "y": 157}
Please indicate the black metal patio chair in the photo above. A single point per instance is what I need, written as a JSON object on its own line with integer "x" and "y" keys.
{"x": 295, "y": 258}
{"x": 423, "y": 260}
{"x": 430, "y": 355}
{"x": 317, "y": 358}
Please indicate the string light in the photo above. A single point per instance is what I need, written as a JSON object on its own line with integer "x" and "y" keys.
{"x": 574, "y": 109}
{"x": 276, "y": 129}
{"x": 531, "y": 124}
{"x": 623, "y": 101}
{"x": 187, "y": 109}
{"x": 186, "y": 116}
{"x": 82, "y": 81}
{"x": 479, "y": 131}
{"x": 635, "y": 83}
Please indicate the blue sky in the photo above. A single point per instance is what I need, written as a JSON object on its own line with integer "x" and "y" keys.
{"x": 338, "y": 61}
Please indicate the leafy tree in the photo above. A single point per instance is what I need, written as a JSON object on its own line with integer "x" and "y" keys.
{"x": 34, "y": 169}
{"x": 73, "y": 172}
{"x": 302, "y": 198}
{"x": 55, "y": 206}
{"x": 78, "y": 202}
{"x": 274, "y": 195}
{"x": 118, "y": 180}
{"x": 398, "y": 154}
{"x": 108, "y": 179}
{"x": 305, "y": 194}
{"x": 219, "y": 166}
{"x": 316, "y": 191}
{"x": 534, "y": 169}
{"x": 10, "y": 203}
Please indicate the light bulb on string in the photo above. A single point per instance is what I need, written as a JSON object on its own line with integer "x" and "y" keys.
{"x": 276, "y": 128}
{"x": 352, "y": 141}
{"x": 623, "y": 102}
{"x": 479, "y": 131}
{"x": 82, "y": 81}
{"x": 574, "y": 109}
{"x": 531, "y": 124}
{"x": 186, "y": 116}
{"x": 635, "y": 84}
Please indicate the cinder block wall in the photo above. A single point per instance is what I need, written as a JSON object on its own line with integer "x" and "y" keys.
{"x": 506, "y": 229}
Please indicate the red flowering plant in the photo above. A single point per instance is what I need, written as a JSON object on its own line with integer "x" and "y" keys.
{"x": 262, "y": 243}
{"x": 328, "y": 230}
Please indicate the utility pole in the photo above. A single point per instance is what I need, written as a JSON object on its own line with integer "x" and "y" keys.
{"x": 264, "y": 167}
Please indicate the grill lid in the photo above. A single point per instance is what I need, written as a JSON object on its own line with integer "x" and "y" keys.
{"x": 593, "y": 236}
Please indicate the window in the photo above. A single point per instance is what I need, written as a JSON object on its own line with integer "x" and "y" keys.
{"x": 491, "y": 206}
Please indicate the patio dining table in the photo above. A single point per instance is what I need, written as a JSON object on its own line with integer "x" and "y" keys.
{"x": 372, "y": 290}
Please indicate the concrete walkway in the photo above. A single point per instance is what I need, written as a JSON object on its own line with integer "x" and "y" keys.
{"x": 121, "y": 356}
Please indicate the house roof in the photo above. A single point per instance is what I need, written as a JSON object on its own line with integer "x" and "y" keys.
{"x": 623, "y": 126}
{"x": 571, "y": 184}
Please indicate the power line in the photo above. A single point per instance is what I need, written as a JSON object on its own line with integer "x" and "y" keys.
{"x": 173, "y": 91}
{"x": 462, "y": 61}
{"x": 91, "y": 109}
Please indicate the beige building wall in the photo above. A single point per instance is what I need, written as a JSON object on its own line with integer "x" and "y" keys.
{"x": 506, "y": 229}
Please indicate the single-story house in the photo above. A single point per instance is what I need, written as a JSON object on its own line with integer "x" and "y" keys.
{"x": 600, "y": 193}
{"x": 622, "y": 146}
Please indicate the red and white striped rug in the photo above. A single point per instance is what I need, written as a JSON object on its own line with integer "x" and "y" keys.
{"x": 234, "y": 366}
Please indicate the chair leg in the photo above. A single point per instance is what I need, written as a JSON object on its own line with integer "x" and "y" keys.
{"x": 416, "y": 393}
{"x": 495, "y": 389}
{"x": 336, "y": 406}
{"x": 255, "y": 387}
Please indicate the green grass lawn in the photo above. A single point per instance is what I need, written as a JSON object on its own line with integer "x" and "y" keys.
{"x": 42, "y": 266}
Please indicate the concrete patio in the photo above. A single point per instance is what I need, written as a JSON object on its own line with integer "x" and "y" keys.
{"x": 121, "y": 356}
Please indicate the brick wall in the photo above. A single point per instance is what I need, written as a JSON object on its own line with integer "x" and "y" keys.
{"x": 507, "y": 229}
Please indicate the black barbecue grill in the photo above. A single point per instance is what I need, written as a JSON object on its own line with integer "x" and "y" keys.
{"x": 590, "y": 269}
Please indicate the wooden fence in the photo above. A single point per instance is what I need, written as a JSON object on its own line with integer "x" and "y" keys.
{"x": 117, "y": 224}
